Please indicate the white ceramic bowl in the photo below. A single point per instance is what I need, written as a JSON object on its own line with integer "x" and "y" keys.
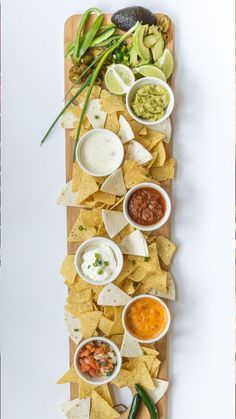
{"x": 98, "y": 380}
{"x": 162, "y": 220}
{"x": 92, "y": 244}
{"x": 105, "y": 171}
{"x": 161, "y": 335}
{"x": 133, "y": 90}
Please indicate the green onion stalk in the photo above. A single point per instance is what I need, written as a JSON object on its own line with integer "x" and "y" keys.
{"x": 93, "y": 80}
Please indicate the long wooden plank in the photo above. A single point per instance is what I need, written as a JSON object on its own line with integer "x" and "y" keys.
{"x": 72, "y": 213}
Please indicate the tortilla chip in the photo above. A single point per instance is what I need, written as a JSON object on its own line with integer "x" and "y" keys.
{"x": 117, "y": 327}
{"x": 111, "y": 103}
{"x": 80, "y": 233}
{"x": 89, "y": 322}
{"x": 104, "y": 392}
{"x": 77, "y": 309}
{"x": 95, "y": 94}
{"x": 73, "y": 327}
{"x": 160, "y": 155}
{"x": 94, "y": 113}
{"x": 139, "y": 375}
{"x": 136, "y": 126}
{"x": 76, "y": 408}
{"x": 128, "y": 286}
{"x": 138, "y": 275}
{"x": 114, "y": 183}
{"x": 154, "y": 137}
{"x": 68, "y": 270}
{"x": 133, "y": 173}
{"x": 134, "y": 244}
{"x": 105, "y": 198}
{"x": 111, "y": 295}
{"x": 67, "y": 197}
{"x": 170, "y": 289}
{"x": 155, "y": 280}
{"x": 101, "y": 409}
{"x": 117, "y": 340}
{"x": 68, "y": 119}
{"x": 112, "y": 123}
{"x": 80, "y": 297}
{"x": 164, "y": 128}
{"x": 161, "y": 387}
{"x": 125, "y": 132}
{"x": 114, "y": 222}
{"x": 164, "y": 172}
{"x": 155, "y": 367}
{"x": 91, "y": 218}
{"x": 137, "y": 152}
{"x": 70, "y": 376}
{"x": 165, "y": 248}
{"x": 149, "y": 351}
{"x": 85, "y": 389}
{"x": 143, "y": 131}
{"x": 105, "y": 325}
{"x": 147, "y": 359}
{"x": 128, "y": 268}
{"x": 82, "y": 183}
{"x": 130, "y": 347}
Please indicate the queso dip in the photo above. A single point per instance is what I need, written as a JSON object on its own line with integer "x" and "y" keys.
{"x": 101, "y": 152}
{"x": 146, "y": 318}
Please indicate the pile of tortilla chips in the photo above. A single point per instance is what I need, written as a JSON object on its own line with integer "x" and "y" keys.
{"x": 97, "y": 310}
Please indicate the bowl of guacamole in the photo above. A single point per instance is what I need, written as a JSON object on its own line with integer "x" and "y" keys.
{"x": 150, "y": 100}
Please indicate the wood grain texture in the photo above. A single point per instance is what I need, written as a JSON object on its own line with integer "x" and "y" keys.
{"x": 69, "y": 34}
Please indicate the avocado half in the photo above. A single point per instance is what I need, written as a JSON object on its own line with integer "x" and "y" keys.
{"x": 127, "y": 17}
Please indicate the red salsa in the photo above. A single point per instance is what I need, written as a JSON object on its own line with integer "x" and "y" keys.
{"x": 146, "y": 206}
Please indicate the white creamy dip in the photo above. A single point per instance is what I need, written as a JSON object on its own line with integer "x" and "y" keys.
{"x": 99, "y": 264}
{"x": 101, "y": 152}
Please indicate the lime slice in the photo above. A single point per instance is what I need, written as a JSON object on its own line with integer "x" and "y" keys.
{"x": 166, "y": 63}
{"x": 119, "y": 78}
{"x": 150, "y": 71}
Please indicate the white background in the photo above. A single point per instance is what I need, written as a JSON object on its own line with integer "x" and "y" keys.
{"x": 34, "y": 342}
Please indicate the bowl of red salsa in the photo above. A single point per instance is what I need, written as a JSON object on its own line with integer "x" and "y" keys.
{"x": 147, "y": 206}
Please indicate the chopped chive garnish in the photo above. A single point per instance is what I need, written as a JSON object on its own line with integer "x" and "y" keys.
{"x": 106, "y": 263}
{"x": 76, "y": 330}
{"x": 100, "y": 272}
{"x": 81, "y": 228}
{"x": 146, "y": 259}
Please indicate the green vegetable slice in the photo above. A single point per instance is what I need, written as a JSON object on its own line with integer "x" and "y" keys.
{"x": 103, "y": 36}
{"x": 89, "y": 36}
{"x": 148, "y": 402}
{"x": 134, "y": 406}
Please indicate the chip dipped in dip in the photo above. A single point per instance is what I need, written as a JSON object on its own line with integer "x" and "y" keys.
{"x": 98, "y": 264}
{"x": 146, "y": 318}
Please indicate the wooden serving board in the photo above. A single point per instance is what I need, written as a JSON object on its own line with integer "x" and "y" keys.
{"x": 72, "y": 213}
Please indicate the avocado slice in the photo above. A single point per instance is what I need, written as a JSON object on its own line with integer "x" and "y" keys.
{"x": 138, "y": 43}
{"x": 133, "y": 58}
{"x": 150, "y": 40}
{"x": 158, "y": 48}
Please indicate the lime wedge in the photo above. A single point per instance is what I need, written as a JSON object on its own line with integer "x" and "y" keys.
{"x": 166, "y": 63}
{"x": 149, "y": 70}
{"x": 119, "y": 78}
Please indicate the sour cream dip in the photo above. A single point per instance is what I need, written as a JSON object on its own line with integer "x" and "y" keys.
{"x": 99, "y": 152}
{"x": 99, "y": 264}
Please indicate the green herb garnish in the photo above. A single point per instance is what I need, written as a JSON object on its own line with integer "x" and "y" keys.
{"x": 81, "y": 228}
{"x": 106, "y": 263}
{"x": 76, "y": 330}
{"x": 146, "y": 259}
{"x": 100, "y": 272}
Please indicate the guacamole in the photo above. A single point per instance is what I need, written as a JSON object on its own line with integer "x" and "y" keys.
{"x": 150, "y": 102}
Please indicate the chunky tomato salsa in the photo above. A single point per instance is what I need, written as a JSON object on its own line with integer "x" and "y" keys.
{"x": 146, "y": 206}
{"x": 146, "y": 318}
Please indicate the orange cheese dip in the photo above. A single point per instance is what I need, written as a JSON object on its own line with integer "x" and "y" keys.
{"x": 146, "y": 318}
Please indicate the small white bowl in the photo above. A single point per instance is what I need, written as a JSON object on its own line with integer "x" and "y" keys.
{"x": 92, "y": 244}
{"x": 143, "y": 82}
{"x": 109, "y": 134}
{"x": 98, "y": 380}
{"x": 162, "y": 220}
{"x": 157, "y": 338}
